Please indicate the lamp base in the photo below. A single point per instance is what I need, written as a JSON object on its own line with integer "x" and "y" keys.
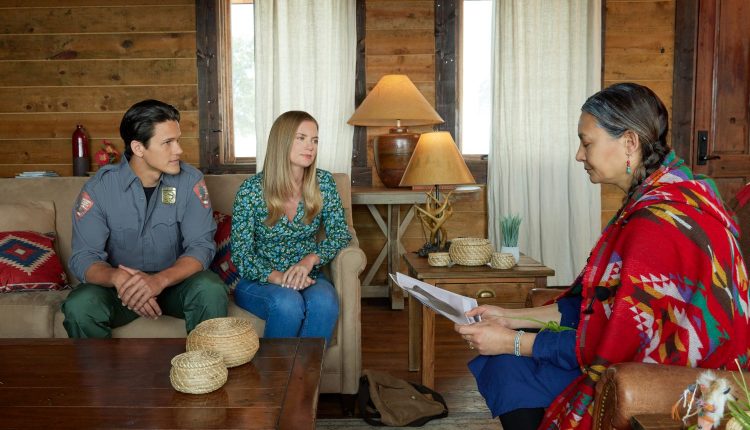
{"x": 392, "y": 154}
{"x": 433, "y": 216}
{"x": 428, "y": 247}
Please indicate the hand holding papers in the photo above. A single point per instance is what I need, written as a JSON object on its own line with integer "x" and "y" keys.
{"x": 448, "y": 304}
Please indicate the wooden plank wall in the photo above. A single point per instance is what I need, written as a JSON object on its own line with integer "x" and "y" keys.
{"x": 69, "y": 61}
{"x": 400, "y": 38}
{"x": 638, "y": 47}
{"x": 64, "y": 62}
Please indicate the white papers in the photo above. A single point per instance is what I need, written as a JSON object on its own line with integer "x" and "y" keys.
{"x": 448, "y": 304}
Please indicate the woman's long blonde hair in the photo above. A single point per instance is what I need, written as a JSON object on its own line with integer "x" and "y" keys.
{"x": 277, "y": 170}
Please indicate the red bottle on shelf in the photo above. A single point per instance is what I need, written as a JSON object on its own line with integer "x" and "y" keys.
{"x": 80, "y": 142}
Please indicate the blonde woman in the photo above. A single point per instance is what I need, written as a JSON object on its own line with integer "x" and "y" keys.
{"x": 277, "y": 216}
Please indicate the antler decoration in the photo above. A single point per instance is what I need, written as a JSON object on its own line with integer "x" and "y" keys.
{"x": 435, "y": 214}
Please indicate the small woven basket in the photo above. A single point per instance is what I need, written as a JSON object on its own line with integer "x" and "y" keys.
{"x": 438, "y": 259}
{"x": 198, "y": 372}
{"x": 470, "y": 251}
{"x": 233, "y": 338}
{"x": 502, "y": 260}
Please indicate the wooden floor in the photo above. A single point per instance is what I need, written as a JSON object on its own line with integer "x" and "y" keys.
{"x": 385, "y": 345}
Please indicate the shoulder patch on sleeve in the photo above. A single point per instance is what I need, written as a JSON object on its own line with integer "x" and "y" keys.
{"x": 201, "y": 191}
{"x": 83, "y": 205}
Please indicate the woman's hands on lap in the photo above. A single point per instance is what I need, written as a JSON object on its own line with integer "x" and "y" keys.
{"x": 501, "y": 316}
{"x": 489, "y": 337}
{"x": 509, "y": 318}
{"x": 297, "y": 276}
{"x": 496, "y": 333}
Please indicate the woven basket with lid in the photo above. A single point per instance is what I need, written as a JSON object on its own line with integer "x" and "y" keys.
{"x": 438, "y": 259}
{"x": 234, "y": 338}
{"x": 470, "y": 251}
{"x": 502, "y": 260}
{"x": 198, "y": 372}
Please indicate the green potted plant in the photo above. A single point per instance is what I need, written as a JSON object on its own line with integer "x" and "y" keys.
{"x": 739, "y": 409}
{"x": 510, "y": 225}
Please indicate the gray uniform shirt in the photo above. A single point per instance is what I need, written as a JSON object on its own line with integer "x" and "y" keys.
{"x": 113, "y": 222}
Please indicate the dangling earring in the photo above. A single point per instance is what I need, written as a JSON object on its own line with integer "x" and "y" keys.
{"x": 628, "y": 170}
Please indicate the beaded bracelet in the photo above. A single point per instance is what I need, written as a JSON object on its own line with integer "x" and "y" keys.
{"x": 517, "y": 343}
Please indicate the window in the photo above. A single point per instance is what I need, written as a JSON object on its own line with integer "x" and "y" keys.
{"x": 243, "y": 78}
{"x": 475, "y": 69}
{"x": 226, "y": 85}
{"x": 226, "y": 143}
{"x": 448, "y": 72}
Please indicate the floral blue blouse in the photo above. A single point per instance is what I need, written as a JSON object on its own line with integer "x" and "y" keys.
{"x": 257, "y": 249}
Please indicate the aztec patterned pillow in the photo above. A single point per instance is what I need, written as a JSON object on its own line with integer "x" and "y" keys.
{"x": 222, "y": 264}
{"x": 28, "y": 262}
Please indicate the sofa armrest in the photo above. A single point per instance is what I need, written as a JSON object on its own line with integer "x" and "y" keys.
{"x": 345, "y": 270}
{"x": 628, "y": 389}
{"x": 354, "y": 242}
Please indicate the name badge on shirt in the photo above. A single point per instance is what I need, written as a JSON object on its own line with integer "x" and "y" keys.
{"x": 168, "y": 195}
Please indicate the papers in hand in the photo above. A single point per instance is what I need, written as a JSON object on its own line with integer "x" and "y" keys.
{"x": 448, "y": 304}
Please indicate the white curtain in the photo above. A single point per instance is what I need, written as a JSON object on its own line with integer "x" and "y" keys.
{"x": 305, "y": 55}
{"x": 546, "y": 62}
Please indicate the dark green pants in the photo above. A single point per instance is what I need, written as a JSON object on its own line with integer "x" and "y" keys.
{"x": 93, "y": 311}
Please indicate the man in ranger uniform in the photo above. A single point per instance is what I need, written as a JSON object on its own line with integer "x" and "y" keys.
{"x": 143, "y": 234}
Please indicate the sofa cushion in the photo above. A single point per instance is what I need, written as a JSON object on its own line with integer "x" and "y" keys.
{"x": 222, "y": 263}
{"x": 28, "y": 261}
{"x": 36, "y": 216}
{"x": 30, "y": 314}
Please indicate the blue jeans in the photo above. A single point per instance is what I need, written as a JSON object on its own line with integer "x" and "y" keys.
{"x": 311, "y": 312}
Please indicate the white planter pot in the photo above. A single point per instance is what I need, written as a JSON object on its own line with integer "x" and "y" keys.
{"x": 512, "y": 250}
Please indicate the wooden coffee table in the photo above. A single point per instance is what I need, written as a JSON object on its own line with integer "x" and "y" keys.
{"x": 124, "y": 383}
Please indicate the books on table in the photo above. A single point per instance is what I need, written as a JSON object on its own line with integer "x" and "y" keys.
{"x": 446, "y": 303}
{"x": 37, "y": 174}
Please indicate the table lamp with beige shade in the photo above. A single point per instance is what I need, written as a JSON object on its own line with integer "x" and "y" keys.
{"x": 394, "y": 101}
{"x": 436, "y": 161}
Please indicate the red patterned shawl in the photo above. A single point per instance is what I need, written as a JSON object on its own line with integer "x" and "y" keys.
{"x": 665, "y": 283}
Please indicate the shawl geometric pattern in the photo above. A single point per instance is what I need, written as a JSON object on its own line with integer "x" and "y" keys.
{"x": 665, "y": 283}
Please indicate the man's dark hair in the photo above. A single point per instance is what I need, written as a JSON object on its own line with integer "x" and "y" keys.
{"x": 139, "y": 121}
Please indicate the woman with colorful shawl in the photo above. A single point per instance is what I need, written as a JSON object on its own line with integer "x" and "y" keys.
{"x": 665, "y": 283}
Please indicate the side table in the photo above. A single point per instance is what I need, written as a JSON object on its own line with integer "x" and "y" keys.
{"x": 392, "y": 227}
{"x": 507, "y": 288}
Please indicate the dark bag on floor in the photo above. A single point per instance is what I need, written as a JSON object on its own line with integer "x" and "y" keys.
{"x": 385, "y": 400}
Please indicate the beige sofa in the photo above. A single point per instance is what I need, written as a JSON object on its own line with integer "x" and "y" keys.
{"x": 37, "y": 314}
